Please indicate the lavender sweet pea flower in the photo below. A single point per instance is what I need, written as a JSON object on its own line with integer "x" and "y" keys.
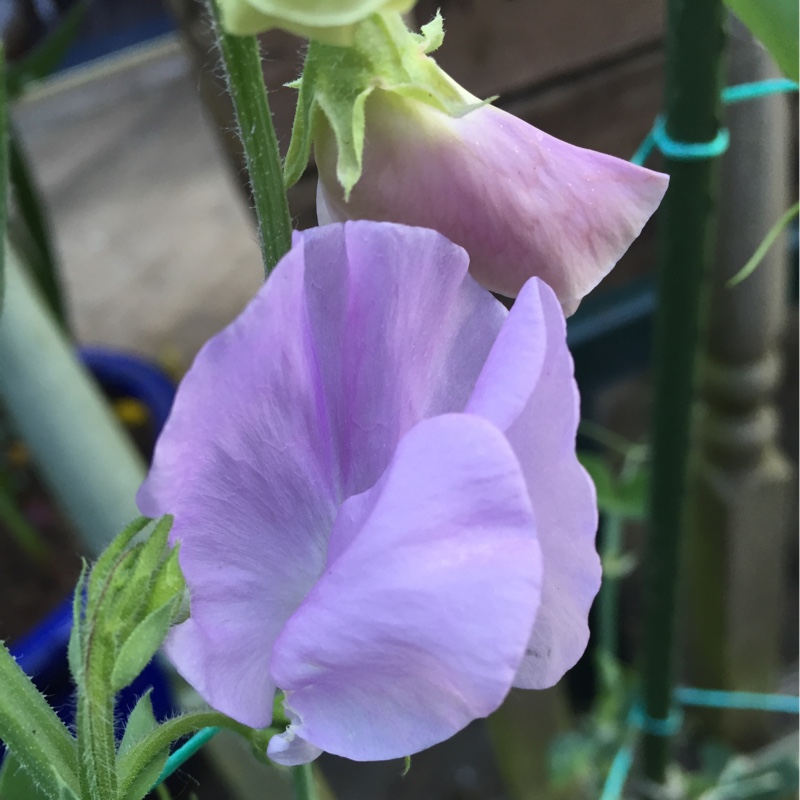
{"x": 521, "y": 202}
{"x": 374, "y": 483}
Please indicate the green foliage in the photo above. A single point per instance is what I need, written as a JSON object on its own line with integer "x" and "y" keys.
{"x": 34, "y": 734}
{"x": 775, "y": 24}
{"x": 772, "y": 234}
{"x": 29, "y": 230}
{"x": 3, "y": 172}
{"x": 141, "y": 723}
{"x": 48, "y": 54}
{"x": 17, "y": 784}
{"x": 122, "y": 609}
{"x": 132, "y": 596}
{"x": 624, "y": 495}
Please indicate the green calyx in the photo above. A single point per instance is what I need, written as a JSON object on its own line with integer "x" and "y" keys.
{"x": 337, "y": 81}
{"x": 330, "y": 21}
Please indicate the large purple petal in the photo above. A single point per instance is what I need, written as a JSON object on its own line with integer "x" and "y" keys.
{"x": 527, "y": 389}
{"x": 421, "y": 617}
{"x": 400, "y": 333}
{"x": 521, "y": 202}
{"x": 362, "y": 330}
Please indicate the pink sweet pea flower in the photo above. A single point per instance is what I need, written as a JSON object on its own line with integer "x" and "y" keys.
{"x": 374, "y": 482}
{"x": 520, "y": 202}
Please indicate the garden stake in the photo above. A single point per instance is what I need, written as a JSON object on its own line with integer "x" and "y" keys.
{"x": 694, "y": 71}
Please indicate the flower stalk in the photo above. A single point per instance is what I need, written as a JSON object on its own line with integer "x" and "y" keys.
{"x": 695, "y": 49}
{"x": 305, "y": 787}
{"x": 241, "y": 60}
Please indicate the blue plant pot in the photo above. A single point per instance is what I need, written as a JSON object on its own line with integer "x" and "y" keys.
{"x": 42, "y": 653}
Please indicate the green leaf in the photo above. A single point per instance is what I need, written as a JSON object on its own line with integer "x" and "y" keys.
{"x": 108, "y": 561}
{"x": 169, "y": 582}
{"x": 104, "y": 620}
{"x": 3, "y": 173}
{"x": 134, "y": 761}
{"x": 75, "y": 649}
{"x": 16, "y": 784}
{"x": 772, "y": 234}
{"x": 29, "y": 230}
{"x": 46, "y": 56}
{"x": 625, "y": 497}
{"x": 140, "y": 647}
{"x": 774, "y": 23}
{"x": 140, "y": 723}
{"x": 33, "y": 733}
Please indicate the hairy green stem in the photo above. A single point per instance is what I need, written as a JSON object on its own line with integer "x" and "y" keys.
{"x": 608, "y": 599}
{"x": 3, "y": 171}
{"x": 241, "y": 60}
{"x": 96, "y": 745}
{"x": 132, "y": 763}
{"x": 695, "y": 48}
{"x": 305, "y": 787}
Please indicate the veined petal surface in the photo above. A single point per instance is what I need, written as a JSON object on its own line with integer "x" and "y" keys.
{"x": 361, "y": 331}
{"x": 420, "y": 620}
{"x": 538, "y": 409}
{"x": 521, "y": 202}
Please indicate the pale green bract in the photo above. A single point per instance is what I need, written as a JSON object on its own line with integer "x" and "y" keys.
{"x": 337, "y": 81}
{"x": 330, "y": 21}
{"x": 774, "y": 23}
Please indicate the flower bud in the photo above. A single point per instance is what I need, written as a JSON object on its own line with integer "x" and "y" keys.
{"x": 521, "y": 202}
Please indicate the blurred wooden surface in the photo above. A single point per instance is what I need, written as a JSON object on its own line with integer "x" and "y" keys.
{"x": 158, "y": 251}
{"x": 500, "y": 46}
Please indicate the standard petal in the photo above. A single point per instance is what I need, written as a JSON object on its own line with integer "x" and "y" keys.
{"x": 521, "y": 203}
{"x": 421, "y": 618}
{"x": 527, "y": 389}
{"x": 400, "y": 332}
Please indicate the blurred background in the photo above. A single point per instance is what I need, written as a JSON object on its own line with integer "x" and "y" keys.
{"x": 127, "y": 155}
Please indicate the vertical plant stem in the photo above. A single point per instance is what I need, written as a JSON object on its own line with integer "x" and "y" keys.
{"x": 608, "y": 599}
{"x": 695, "y": 45}
{"x": 3, "y": 172}
{"x": 242, "y": 62}
{"x": 305, "y": 787}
